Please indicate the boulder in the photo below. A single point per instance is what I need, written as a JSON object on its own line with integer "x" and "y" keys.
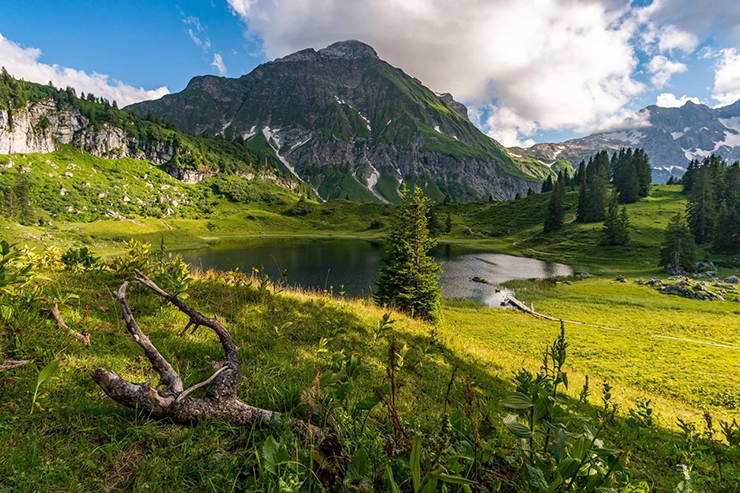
{"x": 732, "y": 280}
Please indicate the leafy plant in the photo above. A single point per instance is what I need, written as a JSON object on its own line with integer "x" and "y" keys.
{"x": 79, "y": 259}
{"x": 137, "y": 257}
{"x": 562, "y": 452}
{"x": 384, "y": 327}
{"x": 44, "y": 376}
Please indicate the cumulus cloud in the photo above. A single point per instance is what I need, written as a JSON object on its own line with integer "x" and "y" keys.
{"x": 727, "y": 77}
{"x": 218, "y": 62}
{"x": 669, "y": 100}
{"x": 663, "y": 69}
{"x": 504, "y": 125}
{"x": 550, "y": 63}
{"x": 672, "y": 38}
{"x": 24, "y": 63}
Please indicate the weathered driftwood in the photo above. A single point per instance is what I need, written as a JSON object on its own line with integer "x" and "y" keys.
{"x": 179, "y": 404}
{"x": 7, "y": 365}
{"x": 83, "y": 337}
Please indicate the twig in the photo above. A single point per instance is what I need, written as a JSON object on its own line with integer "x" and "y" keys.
{"x": 83, "y": 337}
{"x": 7, "y": 365}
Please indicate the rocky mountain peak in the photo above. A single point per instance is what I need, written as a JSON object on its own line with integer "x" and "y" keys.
{"x": 351, "y": 49}
{"x": 348, "y": 50}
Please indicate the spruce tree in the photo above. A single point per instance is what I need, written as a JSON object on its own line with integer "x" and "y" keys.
{"x": 582, "y": 213}
{"x": 616, "y": 225}
{"x": 592, "y": 198}
{"x": 548, "y": 185}
{"x": 688, "y": 176}
{"x": 644, "y": 172}
{"x": 435, "y": 228}
{"x": 678, "y": 250}
{"x": 700, "y": 209}
{"x": 448, "y": 224}
{"x": 409, "y": 279}
{"x": 726, "y": 236}
{"x": 555, "y": 208}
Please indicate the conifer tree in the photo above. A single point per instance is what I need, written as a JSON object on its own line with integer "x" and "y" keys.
{"x": 644, "y": 172}
{"x": 616, "y": 225}
{"x": 409, "y": 279}
{"x": 530, "y": 192}
{"x": 548, "y": 185}
{"x": 448, "y": 224}
{"x": 555, "y": 208}
{"x": 726, "y": 236}
{"x": 592, "y": 198}
{"x": 701, "y": 206}
{"x": 435, "y": 228}
{"x": 678, "y": 250}
{"x": 688, "y": 176}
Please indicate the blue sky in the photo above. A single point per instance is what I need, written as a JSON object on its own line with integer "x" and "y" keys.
{"x": 545, "y": 70}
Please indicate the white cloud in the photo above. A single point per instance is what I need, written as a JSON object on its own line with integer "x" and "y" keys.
{"x": 672, "y": 38}
{"x": 663, "y": 69}
{"x": 218, "y": 62}
{"x": 552, "y": 63}
{"x": 727, "y": 77}
{"x": 669, "y": 100}
{"x": 23, "y": 63}
{"x": 507, "y": 127}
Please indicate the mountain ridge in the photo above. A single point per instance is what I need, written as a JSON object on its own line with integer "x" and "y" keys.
{"x": 348, "y": 123}
{"x": 671, "y": 137}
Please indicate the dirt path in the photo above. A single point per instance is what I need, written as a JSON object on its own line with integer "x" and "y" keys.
{"x": 523, "y": 307}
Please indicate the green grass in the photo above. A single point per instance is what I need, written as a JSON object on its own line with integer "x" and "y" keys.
{"x": 80, "y": 439}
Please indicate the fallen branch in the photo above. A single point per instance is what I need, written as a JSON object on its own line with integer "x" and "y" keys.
{"x": 7, "y": 365}
{"x": 83, "y": 337}
{"x": 180, "y": 405}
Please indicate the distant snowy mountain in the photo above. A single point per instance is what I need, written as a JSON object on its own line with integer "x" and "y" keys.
{"x": 671, "y": 137}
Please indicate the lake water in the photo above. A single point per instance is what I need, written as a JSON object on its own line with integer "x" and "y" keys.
{"x": 322, "y": 264}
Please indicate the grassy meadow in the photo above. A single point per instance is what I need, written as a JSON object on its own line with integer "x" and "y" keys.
{"x": 680, "y": 355}
{"x": 77, "y": 439}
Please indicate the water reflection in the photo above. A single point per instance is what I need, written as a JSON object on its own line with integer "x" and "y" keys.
{"x": 327, "y": 264}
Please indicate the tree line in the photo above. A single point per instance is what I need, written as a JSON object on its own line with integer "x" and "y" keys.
{"x": 629, "y": 173}
{"x": 713, "y": 209}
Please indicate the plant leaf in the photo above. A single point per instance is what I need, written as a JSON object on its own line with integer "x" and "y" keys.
{"x": 517, "y": 400}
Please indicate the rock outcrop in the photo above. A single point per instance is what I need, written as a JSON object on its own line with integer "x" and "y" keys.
{"x": 42, "y": 127}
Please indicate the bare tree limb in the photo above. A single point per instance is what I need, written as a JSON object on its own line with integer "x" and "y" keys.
{"x": 83, "y": 336}
{"x": 7, "y": 365}
{"x": 168, "y": 375}
{"x": 220, "y": 400}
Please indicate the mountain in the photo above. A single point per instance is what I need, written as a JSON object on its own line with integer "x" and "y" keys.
{"x": 671, "y": 136}
{"x": 348, "y": 123}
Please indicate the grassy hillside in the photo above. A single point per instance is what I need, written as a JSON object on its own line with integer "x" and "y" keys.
{"x": 76, "y": 195}
{"x": 665, "y": 357}
{"x": 76, "y": 438}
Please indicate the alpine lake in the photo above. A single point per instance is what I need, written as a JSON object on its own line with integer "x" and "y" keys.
{"x": 350, "y": 267}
